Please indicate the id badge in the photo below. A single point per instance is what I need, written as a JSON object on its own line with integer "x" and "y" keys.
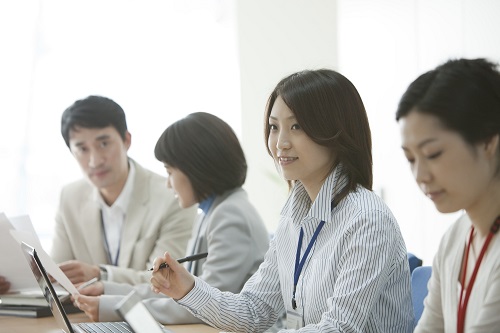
{"x": 294, "y": 320}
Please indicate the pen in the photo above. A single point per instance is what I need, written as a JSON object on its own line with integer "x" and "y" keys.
{"x": 181, "y": 260}
{"x": 80, "y": 287}
{"x": 88, "y": 283}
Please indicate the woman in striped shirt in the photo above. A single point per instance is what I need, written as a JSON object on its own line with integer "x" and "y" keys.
{"x": 337, "y": 262}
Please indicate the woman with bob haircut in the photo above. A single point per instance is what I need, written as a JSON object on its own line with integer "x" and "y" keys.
{"x": 337, "y": 262}
{"x": 206, "y": 166}
{"x": 450, "y": 129}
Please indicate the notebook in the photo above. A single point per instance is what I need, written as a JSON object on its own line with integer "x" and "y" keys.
{"x": 62, "y": 320}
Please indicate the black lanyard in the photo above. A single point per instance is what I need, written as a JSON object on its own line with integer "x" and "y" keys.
{"x": 196, "y": 243}
{"x": 205, "y": 206}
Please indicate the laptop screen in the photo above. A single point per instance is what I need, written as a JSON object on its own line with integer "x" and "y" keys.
{"x": 47, "y": 289}
{"x": 133, "y": 309}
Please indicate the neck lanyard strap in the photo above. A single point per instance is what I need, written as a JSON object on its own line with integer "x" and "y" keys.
{"x": 464, "y": 298}
{"x": 196, "y": 243}
{"x": 106, "y": 245}
{"x": 299, "y": 264}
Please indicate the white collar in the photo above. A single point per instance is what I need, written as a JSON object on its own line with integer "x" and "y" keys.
{"x": 124, "y": 197}
{"x": 321, "y": 208}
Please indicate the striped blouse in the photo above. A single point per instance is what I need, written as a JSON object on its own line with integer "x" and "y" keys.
{"x": 355, "y": 279}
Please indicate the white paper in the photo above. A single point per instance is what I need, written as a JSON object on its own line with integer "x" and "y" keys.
{"x": 23, "y": 223}
{"x": 13, "y": 264}
{"x": 50, "y": 266}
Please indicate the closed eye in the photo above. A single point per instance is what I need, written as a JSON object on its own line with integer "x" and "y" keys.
{"x": 409, "y": 158}
{"x": 433, "y": 156}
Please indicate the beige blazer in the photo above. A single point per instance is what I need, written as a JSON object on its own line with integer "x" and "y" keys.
{"x": 154, "y": 223}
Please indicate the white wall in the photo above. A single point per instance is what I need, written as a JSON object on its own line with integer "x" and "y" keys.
{"x": 276, "y": 38}
{"x": 246, "y": 47}
{"x": 383, "y": 45}
{"x": 158, "y": 59}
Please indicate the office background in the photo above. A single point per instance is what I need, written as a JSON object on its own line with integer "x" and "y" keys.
{"x": 163, "y": 59}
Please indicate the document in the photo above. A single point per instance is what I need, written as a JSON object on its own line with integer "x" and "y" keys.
{"x": 49, "y": 264}
{"x": 13, "y": 264}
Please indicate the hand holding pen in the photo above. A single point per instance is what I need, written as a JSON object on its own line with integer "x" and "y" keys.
{"x": 181, "y": 260}
{"x": 88, "y": 283}
{"x": 176, "y": 281}
{"x": 82, "y": 286}
{"x": 93, "y": 287}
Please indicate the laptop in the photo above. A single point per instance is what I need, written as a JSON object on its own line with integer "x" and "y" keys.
{"x": 131, "y": 308}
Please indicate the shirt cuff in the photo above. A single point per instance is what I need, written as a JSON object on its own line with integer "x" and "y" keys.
{"x": 200, "y": 295}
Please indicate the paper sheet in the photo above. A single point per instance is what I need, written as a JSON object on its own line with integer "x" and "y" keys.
{"x": 50, "y": 266}
{"x": 23, "y": 223}
{"x": 13, "y": 264}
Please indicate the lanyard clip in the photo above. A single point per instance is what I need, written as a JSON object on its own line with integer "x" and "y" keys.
{"x": 294, "y": 304}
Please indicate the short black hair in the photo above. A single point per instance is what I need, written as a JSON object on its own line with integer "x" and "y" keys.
{"x": 464, "y": 94}
{"x": 93, "y": 112}
{"x": 206, "y": 149}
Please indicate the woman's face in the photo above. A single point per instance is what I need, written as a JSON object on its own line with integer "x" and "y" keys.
{"x": 296, "y": 155}
{"x": 183, "y": 189}
{"x": 452, "y": 173}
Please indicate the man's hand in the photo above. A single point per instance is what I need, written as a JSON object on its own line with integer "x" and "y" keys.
{"x": 89, "y": 305}
{"x": 4, "y": 285}
{"x": 174, "y": 281}
{"x": 95, "y": 289}
{"x": 78, "y": 271}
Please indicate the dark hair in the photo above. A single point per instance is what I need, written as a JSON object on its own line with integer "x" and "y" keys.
{"x": 329, "y": 109}
{"x": 464, "y": 94}
{"x": 207, "y": 151}
{"x": 93, "y": 112}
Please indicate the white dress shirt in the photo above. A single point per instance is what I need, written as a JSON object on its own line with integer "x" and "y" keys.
{"x": 356, "y": 277}
{"x": 114, "y": 216}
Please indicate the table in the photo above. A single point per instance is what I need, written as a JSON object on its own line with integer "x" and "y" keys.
{"x": 48, "y": 325}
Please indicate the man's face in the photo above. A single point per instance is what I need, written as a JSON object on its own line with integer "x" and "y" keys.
{"x": 102, "y": 155}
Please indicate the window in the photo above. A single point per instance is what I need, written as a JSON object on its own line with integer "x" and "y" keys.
{"x": 159, "y": 60}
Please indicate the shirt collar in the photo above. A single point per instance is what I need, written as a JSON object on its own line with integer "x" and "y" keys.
{"x": 299, "y": 205}
{"x": 207, "y": 203}
{"x": 124, "y": 198}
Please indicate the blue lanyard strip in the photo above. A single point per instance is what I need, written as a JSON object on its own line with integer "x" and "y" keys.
{"x": 111, "y": 261}
{"x": 299, "y": 264}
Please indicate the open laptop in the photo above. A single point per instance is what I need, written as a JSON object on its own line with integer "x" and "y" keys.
{"x": 130, "y": 308}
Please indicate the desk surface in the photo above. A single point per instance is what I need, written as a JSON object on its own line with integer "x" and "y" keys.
{"x": 48, "y": 325}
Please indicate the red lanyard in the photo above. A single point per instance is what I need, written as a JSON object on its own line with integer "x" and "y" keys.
{"x": 464, "y": 299}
